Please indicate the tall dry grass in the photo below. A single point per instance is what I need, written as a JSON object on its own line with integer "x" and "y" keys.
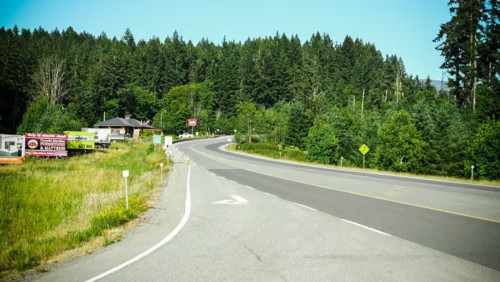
{"x": 48, "y": 206}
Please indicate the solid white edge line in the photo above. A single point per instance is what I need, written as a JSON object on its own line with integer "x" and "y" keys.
{"x": 249, "y": 187}
{"x": 178, "y": 228}
{"x": 270, "y": 194}
{"x": 365, "y": 227}
{"x": 304, "y": 206}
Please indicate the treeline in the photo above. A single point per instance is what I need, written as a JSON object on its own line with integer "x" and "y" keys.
{"x": 318, "y": 96}
{"x": 91, "y": 75}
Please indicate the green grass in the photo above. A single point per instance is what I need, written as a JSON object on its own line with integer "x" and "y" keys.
{"x": 52, "y": 205}
{"x": 271, "y": 150}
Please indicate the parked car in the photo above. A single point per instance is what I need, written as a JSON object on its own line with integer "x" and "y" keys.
{"x": 186, "y": 135}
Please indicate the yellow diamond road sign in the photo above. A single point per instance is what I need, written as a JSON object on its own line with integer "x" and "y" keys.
{"x": 364, "y": 149}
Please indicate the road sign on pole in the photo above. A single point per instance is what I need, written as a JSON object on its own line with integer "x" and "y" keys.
{"x": 168, "y": 140}
{"x": 364, "y": 149}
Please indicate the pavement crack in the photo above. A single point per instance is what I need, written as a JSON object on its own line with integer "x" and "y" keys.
{"x": 253, "y": 253}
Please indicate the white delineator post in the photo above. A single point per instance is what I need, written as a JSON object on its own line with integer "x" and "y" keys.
{"x": 161, "y": 171}
{"x": 471, "y": 173}
{"x": 125, "y": 175}
{"x": 341, "y": 159}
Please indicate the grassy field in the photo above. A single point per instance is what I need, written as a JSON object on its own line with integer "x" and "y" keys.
{"x": 271, "y": 150}
{"x": 49, "y": 206}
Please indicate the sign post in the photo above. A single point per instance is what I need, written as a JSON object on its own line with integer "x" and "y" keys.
{"x": 125, "y": 175}
{"x": 192, "y": 122}
{"x": 156, "y": 140}
{"x": 364, "y": 149}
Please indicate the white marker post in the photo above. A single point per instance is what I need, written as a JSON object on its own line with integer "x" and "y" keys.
{"x": 161, "y": 171}
{"x": 471, "y": 173}
{"x": 341, "y": 159}
{"x": 125, "y": 175}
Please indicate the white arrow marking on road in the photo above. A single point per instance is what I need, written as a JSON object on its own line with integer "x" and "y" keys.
{"x": 238, "y": 200}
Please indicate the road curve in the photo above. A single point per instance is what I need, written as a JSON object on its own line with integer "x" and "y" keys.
{"x": 259, "y": 220}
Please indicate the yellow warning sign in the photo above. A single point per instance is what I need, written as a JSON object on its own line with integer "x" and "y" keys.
{"x": 364, "y": 149}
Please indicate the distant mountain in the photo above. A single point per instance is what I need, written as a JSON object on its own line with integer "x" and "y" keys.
{"x": 440, "y": 84}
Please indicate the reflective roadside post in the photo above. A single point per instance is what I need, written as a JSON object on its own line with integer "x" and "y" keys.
{"x": 125, "y": 175}
{"x": 341, "y": 159}
{"x": 471, "y": 173}
{"x": 161, "y": 172}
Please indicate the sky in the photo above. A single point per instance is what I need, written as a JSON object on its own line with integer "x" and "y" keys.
{"x": 404, "y": 28}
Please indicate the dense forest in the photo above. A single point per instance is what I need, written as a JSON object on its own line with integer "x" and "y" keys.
{"x": 319, "y": 96}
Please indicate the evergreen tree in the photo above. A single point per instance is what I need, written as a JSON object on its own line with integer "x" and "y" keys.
{"x": 460, "y": 37}
{"x": 484, "y": 151}
{"x": 297, "y": 126}
{"x": 321, "y": 144}
{"x": 401, "y": 146}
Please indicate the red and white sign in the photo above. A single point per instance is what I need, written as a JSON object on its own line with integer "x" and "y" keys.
{"x": 192, "y": 122}
{"x": 46, "y": 145}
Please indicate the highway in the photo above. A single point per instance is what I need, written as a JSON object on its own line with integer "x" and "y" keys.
{"x": 227, "y": 217}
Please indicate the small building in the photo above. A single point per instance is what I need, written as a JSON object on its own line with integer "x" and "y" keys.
{"x": 124, "y": 127}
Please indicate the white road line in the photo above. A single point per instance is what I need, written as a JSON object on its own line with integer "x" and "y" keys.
{"x": 304, "y": 206}
{"x": 178, "y": 228}
{"x": 239, "y": 199}
{"x": 270, "y": 194}
{"x": 249, "y": 187}
{"x": 366, "y": 227}
{"x": 232, "y": 181}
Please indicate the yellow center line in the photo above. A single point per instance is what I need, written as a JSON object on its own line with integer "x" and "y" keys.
{"x": 362, "y": 195}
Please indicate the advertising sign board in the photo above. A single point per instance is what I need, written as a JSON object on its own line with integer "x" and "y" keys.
{"x": 79, "y": 140}
{"x": 102, "y": 135}
{"x": 46, "y": 145}
{"x": 117, "y": 134}
{"x": 192, "y": 122}
{"x": 12, "y": 149}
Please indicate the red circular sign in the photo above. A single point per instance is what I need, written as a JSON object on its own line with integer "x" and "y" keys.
{"x": 32, "y": 144}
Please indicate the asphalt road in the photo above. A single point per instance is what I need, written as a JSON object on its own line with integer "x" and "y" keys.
{"x": 258, "y": 220}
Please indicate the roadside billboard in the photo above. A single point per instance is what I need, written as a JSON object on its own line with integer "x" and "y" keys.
{"x": 12, "y": 149}
{"x": 102, "y": 136}
{"x": 46, "y": 145}
{"x": 79, "y": 140}
{"x": 192, "y": 122}
{"x": 117, "y": 134}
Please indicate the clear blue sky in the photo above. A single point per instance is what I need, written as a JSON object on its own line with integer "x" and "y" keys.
{"x": 405, "y": 28}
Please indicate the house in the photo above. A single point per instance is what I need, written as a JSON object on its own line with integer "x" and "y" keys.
{"x": 124, "y": 127}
